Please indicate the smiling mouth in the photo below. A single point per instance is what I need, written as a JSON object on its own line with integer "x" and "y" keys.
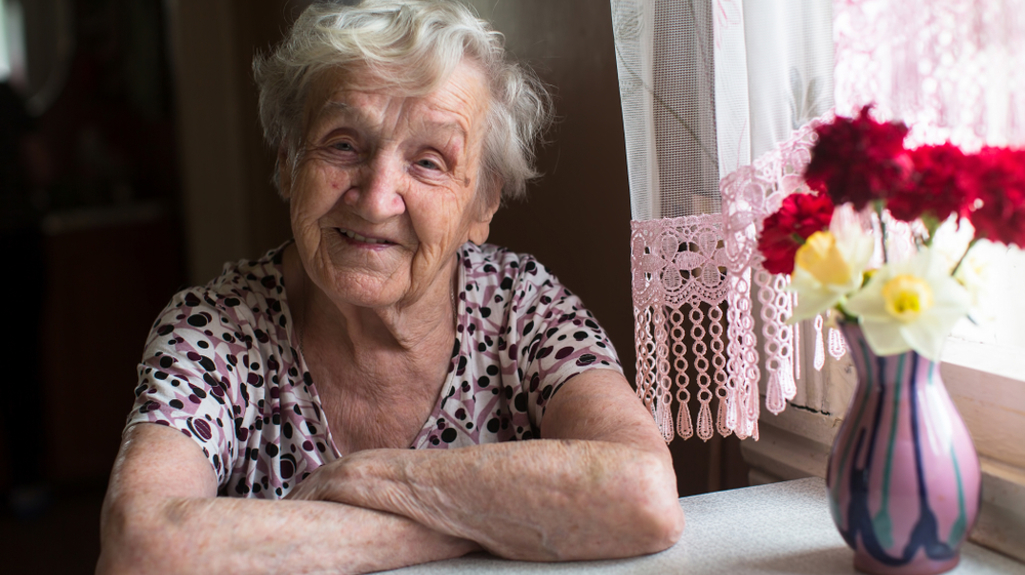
{"x": 354, "y": 236}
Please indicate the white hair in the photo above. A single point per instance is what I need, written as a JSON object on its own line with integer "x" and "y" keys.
{"x": 412, "y": 45}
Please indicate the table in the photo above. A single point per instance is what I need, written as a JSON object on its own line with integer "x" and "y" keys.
{"x": 777, "y": 528}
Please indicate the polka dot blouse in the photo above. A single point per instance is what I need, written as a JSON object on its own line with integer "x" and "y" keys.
{"x": 221, "y": 365}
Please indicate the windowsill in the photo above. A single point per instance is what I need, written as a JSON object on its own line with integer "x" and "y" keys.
{"x": 987, "y": 383}
{"x": 991, "y": 358}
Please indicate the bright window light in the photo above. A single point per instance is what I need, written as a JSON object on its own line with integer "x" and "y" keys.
{"x": 12, "y": 41}
{"x": 1001, "y": 322}
{"x": 5, "y": 61}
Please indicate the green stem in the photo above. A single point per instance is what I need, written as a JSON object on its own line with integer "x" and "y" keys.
{"x": 847, "y": 316}
{"x": 971, "y": 244}
{"x": 878, "y": 205}
{"x": 931, "y": 225}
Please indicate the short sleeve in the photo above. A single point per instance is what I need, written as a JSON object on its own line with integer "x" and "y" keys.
{"x": 558, "y": 337}
{"x": 190, "y": 375}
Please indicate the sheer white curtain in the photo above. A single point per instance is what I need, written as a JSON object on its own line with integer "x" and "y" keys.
{"x": 710, "y": 88}
{"x": 719, "y": 101}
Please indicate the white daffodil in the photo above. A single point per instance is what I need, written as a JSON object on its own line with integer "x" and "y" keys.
{"x": 976, "y": 272}
{"x": 951, "y": 240}
{"x": 829, "y": 266}
{"x": 908, "y": 305}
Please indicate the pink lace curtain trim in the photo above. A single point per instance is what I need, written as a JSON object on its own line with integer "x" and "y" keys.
{"x": 695, "y": 328}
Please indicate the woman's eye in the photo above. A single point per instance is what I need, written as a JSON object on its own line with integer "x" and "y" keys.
{"x": 428, "y": 163}
{"x": 344, "y": 147}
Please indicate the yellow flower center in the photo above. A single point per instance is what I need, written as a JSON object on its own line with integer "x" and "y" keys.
{"x": 906, "y": 297}
{"x": 820, "y": 257}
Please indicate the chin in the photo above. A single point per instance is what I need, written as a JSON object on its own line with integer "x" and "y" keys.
{"x": 363, "y": 291}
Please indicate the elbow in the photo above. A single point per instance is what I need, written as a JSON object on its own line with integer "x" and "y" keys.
{"x": 659, "y": 517}
{"x": 114, "y": 530}
{"x": 665, "y": 527}
{"x": 122, "y": 538}
{"x": 111, "y": 564}
{"x": 133, "y": 541}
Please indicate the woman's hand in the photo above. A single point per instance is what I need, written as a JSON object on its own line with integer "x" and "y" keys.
{"x": 600, "y": 486}
{"x": 328, "y": 482}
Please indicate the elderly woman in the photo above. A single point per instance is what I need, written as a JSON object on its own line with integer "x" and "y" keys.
{"x": 362, "y": 397}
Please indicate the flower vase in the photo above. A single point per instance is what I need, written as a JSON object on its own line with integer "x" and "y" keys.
{"x": 903, "y": 475}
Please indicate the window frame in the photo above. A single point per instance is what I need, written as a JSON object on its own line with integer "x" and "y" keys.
{"x": 986, "y": 381}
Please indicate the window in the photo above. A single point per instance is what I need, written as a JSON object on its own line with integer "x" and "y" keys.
{"x": 984, "y": 370}
{"x": 12, "y": 41}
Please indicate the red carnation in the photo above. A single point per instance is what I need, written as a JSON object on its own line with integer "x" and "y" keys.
{"x": 858, "y": 160}
{"x": 937, "y": 187}
{"x": 800, "y": 216}
{"x": 998, "y": 176}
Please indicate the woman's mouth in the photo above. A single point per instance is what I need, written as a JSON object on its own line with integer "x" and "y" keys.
{"x": 354, "y": 236}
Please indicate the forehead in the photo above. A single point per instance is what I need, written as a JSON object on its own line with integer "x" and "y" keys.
{"x": 457, "y": 102}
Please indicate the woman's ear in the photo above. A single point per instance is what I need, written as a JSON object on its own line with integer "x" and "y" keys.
{"x": 480, "y": 230}
{"x": 490, "y": 202}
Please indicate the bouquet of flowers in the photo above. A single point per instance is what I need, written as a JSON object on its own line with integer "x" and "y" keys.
{"x": 903, "y": 299}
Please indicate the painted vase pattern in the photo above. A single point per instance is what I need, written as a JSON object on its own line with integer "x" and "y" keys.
{"x": 903, "y": 476}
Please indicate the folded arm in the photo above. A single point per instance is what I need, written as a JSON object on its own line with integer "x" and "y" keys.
{"x": 161, "y": 515}
{"x": 599, "y": 485}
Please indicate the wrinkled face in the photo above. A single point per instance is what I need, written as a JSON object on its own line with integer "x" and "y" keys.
{"x": 386, "y": 190}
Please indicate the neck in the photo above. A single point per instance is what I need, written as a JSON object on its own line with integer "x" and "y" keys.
{"x": 409, "y": 336}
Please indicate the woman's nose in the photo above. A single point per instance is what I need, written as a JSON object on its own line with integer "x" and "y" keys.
{"x": 377, "y": 193}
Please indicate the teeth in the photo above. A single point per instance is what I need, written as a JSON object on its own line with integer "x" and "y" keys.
{"x": 353, "y": 235}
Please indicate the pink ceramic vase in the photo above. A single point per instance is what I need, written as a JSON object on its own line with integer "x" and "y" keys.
{"x": 903, "y": 476}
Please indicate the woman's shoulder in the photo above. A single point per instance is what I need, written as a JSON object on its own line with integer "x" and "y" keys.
{"x": 246, "y": 303}
{"x": 262, "y": 276}
{"x": 220, "y": 367}
{"x": 243, "y": 288}
{"x": 498, "y": 264}
{"x": 522, "y": 335}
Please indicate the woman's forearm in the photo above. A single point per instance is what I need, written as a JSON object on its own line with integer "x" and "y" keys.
{"x": 161, "y": 515}
{"x": 601, "y": 486}
{"x": 228, "y": 535}
{"x": 533, "y": 500}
